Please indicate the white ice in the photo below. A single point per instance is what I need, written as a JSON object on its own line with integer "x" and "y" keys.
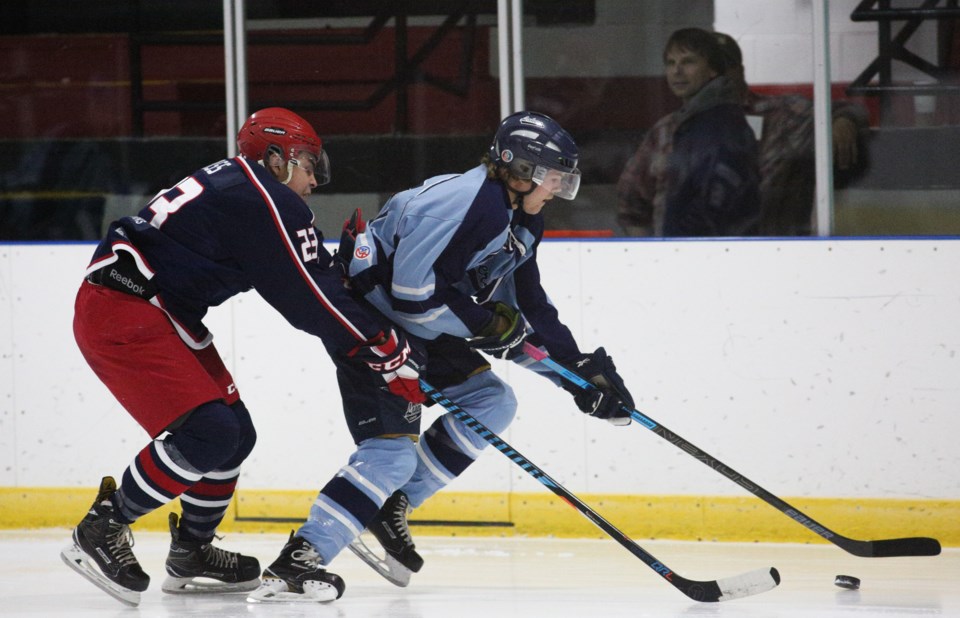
{"x": 510, "y": 577}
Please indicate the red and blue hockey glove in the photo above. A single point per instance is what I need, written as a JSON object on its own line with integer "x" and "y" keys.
{"x": 503, "y": 335}
{"x": 611, "y": 395}
{"x": 348, "y": 239}
{"x": 397, "y": 361}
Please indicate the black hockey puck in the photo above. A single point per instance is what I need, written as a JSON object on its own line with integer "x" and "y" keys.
{"x": 847, "y": 581}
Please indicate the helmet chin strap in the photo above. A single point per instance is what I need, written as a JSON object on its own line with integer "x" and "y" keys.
{"x": 290, "y": 166}
{"x": 518, "y": 201}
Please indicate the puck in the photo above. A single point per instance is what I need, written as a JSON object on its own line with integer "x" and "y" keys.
{"x": 847, "y": 581}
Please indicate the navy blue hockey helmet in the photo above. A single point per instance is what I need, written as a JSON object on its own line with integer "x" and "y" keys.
{"x": 531, "y": 145}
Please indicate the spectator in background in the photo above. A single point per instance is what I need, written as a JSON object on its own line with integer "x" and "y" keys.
{"x": 696, "y": 173}
{"x": 784, "y": 128}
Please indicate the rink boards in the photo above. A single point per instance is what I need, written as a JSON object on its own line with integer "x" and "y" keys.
{"x": 823, "y": 370}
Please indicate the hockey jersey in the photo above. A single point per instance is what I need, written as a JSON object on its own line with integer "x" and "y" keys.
{"x": 437, "y": 252}
{"x": 229, "y": 228}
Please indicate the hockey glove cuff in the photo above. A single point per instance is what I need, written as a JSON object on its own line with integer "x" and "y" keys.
{"x": 610, "y": 397}
{"x": 398, "y": 362}
{"x": 504, "y": 333}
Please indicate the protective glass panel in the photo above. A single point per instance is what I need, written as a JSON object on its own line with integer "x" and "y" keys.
{"x": 902, "y": 60}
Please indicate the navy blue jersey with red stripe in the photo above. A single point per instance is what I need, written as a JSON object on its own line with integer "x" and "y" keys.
{"x": 229, "y": 228}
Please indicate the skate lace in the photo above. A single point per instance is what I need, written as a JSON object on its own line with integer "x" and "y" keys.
{"x": 220, "y": 558}
{"x": 120, "y": 541}
{"x": 400, "y": 520}
{"x": 307, "y": 554}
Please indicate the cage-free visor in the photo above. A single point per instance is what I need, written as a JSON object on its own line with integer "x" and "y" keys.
{"x": 561, "y": 184}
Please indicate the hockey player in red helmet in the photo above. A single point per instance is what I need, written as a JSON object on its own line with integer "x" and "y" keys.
{"x": 282, "y": 141}
{"x": 235, "y": 225}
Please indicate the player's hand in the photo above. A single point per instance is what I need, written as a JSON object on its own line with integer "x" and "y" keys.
{"x": 610, "y": 397}
{"x": 398, "y": 362}
{"x": 348, "y": 239}
{"x": 503, "y": 335}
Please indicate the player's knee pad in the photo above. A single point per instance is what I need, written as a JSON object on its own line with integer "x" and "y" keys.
{"x": 486, "y": 398}
{"x": 386, "y": 462}
{"x": 247, "y": 438}
{"x": 209, "y": 437}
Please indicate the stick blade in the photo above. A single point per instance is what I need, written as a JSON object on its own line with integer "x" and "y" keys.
{"x": 736, "y": 587}
{"x": 886, "y": 548}
{"x": 748, "y": 584}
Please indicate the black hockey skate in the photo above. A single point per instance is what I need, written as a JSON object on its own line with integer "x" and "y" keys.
{"x": 390, "y": 528}
{"x": 105, "y": 542}
{"x": 297, "y": 575}
{"x": 193, "y": 566}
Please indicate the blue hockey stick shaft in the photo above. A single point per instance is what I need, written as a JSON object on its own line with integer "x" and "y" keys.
{"x": 912, "y": 546}
{"x": 725, "y": 589}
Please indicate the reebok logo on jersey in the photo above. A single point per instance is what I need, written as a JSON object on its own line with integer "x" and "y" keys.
{"x": 126, "y": 282}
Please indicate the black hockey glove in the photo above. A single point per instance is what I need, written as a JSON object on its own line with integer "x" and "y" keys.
{"x": 503, "y": 336}
{"x": 610, "y": 396}
{"x": 397, "y": 361}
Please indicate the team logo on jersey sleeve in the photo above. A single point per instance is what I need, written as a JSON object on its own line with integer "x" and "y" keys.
{"x": 362, "y": 252}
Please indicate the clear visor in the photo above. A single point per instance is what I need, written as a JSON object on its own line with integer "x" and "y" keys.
{"x": 319, "y": 167}
{"x": 561, "y": 184}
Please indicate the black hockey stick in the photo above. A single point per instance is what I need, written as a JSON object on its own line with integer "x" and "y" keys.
{"x": 725, "y": 589}
{"x": 912, "y": 546}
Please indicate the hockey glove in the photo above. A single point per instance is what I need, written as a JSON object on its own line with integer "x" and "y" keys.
{"x": 397, "y": 361}
{"x": 348, "y": 240}
{"x": 503, "y": 335}
{"x": 610, "y": 396}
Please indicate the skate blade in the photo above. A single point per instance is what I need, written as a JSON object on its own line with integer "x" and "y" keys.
{"x": 74, "y": 558}
{"x": 200, "y": 585}
{"x": 277, "y": 591}
{"x": 388, "y": 566}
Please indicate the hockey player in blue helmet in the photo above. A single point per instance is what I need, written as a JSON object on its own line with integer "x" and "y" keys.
{"x": 533, "y": 147}
{"x": 454, "y": 263}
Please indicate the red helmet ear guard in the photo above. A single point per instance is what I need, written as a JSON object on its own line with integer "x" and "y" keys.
{"x": 279, "y": 129}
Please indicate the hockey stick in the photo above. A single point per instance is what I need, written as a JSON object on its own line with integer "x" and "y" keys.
{"x": 725, "y": 589}
{"x": 912, "y": 546}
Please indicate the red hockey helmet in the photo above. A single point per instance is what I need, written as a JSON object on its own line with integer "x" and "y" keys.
{"x": 279, "y": 130}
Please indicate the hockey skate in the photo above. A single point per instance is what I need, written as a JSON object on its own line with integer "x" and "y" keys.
{"x": 101, "y": 550}
{"x": 390, "y": 528}
{"x": 298, "y": 576}
{"x": 194, "y": 567}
